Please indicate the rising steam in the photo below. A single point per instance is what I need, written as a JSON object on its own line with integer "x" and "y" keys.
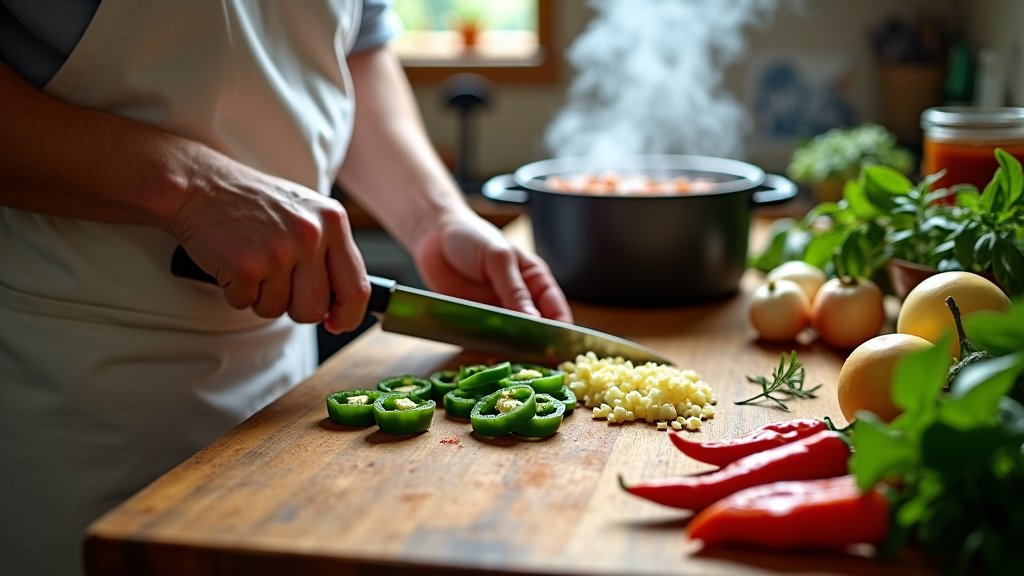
{"x": 649, "y": 79}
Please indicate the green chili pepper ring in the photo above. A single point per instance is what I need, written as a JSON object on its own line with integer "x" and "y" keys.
{"x": 403, "y": 413}
{"x": 541, "y": 379}
{"x": 348, "y": 408}
{"x": 548, "y": 418}
{"x": 406, "y": 384}
{"x": 480, "y": 379}
{"x": 459, "y": 403}
{"x": 504, "y": 412}
{"x": 443, "y": 382}
{"x": 568, "y": 397}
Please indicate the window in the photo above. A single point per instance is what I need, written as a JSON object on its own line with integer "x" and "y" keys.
{"x": 507, "y": 41}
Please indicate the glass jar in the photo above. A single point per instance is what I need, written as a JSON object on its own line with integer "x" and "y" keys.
{"x": 962, "y": 141}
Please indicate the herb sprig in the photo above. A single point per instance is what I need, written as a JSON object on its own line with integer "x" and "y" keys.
{"x": 786, "y": 383}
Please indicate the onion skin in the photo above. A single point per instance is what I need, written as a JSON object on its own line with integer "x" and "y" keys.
{"x": 779, "y": 311}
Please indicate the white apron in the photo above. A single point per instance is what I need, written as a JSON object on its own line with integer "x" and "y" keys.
{"x": 111, "y": 369}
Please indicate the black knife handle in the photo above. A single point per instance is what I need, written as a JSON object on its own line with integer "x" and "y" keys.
{"x": 183, "y": 266}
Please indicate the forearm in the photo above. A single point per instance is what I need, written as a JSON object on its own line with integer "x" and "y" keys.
{"x": 65, "y": 160}
{"x": 391, "y": 168}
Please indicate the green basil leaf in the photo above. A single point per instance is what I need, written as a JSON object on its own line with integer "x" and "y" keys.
{"x": 820, "y": 210}
{"x": 928, "y": 182}
{"x": 920, "y": 376}
{"x": 983, "y": 248}
{"x": 939, "y": 223}
{"x": 965, "y": 239}
{"x": 1011, "y": 416}
{"x": 857, "y": 200}
{"x": 978, "y": 389}
{"x": 902, "y": 236}
{"x": 969, "y": 198}
{"x": 822, "y": 247}
{"x": 1012, "y": 176}
{"x": 940, "y": 194}
{"x": 954, "y": 451}
{"x": 879, "y": 452}
{"x": 992, "y": 195}
{"x": 772, "y": 255}
{"x": 1008, "y": 266}
{"x": 997, "y": 333}
{"x": 887, "y": 180}
{"x": 948, "y": 264}
{"x": 876, "y": 181}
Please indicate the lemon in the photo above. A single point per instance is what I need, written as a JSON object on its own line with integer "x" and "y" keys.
{"x": 924, "y": 311}
{"x": 865, "y": 381}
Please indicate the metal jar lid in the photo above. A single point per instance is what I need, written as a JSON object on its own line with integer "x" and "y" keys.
{"x": 987, "y": 123}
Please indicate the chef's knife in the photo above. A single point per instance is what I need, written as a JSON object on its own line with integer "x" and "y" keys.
{"x": 471, "y": 325}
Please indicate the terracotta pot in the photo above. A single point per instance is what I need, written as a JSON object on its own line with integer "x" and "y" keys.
{"x": 829, "y": 190}
{"x": 905, "y": 275}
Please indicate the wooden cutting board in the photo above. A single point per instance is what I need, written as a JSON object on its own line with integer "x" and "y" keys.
{"x": 289, "y": 492}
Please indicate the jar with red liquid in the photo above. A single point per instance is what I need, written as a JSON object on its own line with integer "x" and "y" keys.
{"x": 962, "y": 141}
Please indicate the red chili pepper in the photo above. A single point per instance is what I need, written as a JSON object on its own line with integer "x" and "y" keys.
{"x": 830, "y": 513}
{"x": 768, "y": 436}
{"x": 823, "y": 455}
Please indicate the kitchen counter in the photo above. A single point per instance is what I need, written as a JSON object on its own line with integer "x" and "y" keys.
{"x": 289, "y": 492}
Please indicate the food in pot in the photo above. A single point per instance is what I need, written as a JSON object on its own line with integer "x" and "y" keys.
{"x": 616, "y": 184}
{"x": 685, "y": 246}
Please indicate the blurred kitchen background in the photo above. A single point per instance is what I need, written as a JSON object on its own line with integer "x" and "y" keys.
{"x": 503, "y": 84}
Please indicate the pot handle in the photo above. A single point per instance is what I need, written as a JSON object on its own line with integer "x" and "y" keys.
{"x": 503, "y": 188}
{"x": 775, "y": 190}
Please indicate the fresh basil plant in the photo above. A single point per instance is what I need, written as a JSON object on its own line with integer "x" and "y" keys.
{"x": 884, "y": 215}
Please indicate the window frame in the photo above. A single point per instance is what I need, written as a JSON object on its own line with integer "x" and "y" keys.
{"x": 542, "y": 68}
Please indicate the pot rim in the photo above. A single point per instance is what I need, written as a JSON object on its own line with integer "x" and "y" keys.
{"x": 741, "y": 176}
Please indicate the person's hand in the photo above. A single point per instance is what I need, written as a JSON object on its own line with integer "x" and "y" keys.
{"x": 465, "y": 256}
{"x": 272, "y": 245}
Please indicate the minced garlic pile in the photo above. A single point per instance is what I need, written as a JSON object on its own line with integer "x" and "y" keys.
{"x": 657, "y": 393}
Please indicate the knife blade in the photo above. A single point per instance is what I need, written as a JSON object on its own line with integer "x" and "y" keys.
{"x": 471, "y": 325}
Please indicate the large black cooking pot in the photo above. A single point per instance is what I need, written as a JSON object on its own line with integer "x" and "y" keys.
{"x": 643, "y": 250}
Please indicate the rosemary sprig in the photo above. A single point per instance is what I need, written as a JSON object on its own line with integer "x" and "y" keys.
{"x": 787, "y": 382}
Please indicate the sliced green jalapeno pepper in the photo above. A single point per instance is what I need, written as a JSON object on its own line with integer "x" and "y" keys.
{"x": 504, "y": 411}
{"x": 481, "y": 379}
{"x": 443, "y": 382}
{"x": 568, "y": 397}
{"x": 547, "y": 419}
{"x": 542, "y": 380}
{"x": 403, "y": 413}
{"x": 406, "y": 384}
{"x": 459, "y": 403}
{"x": 352, "y": 407}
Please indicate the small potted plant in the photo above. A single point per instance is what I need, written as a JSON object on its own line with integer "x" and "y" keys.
{"x": 829, "y": 160}
{"x": 468, "y": 21}
{"x": 898, "y": 233}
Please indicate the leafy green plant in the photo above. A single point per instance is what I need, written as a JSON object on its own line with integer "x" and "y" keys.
{"x": 883, "y": 215}
{"x": 841, "y": 153}
{"x": 990, "y": 235}
{"x": 953, "y": 460}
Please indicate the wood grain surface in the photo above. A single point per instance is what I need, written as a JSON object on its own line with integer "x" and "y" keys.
{"x": 289, "y": 492}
